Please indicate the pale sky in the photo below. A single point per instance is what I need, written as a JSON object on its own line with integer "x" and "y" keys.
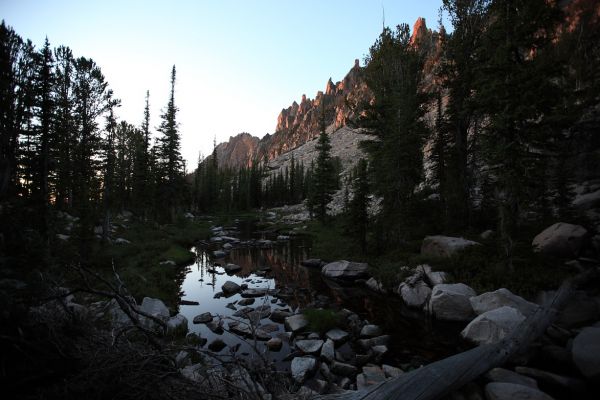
{"x": 238, "y": 62}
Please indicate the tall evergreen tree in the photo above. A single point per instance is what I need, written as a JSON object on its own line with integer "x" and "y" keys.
{"x": 324, "y": 179}
{"x": 517, "y": 89}
{"x": 169, "y": 154}
{"x": 393, "y": 74}
{"x": 359, "y": 205}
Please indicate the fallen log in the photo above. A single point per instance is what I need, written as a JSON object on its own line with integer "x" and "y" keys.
{"x": 442, "y": 377}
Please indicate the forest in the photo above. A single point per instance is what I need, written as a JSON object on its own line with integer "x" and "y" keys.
{"x": 490, "y": 124}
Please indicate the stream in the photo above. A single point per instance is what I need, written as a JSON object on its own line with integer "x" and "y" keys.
{"x": 415, "y": 338}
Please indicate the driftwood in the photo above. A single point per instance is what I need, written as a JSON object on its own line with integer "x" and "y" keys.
{"x": 442, "y": 377}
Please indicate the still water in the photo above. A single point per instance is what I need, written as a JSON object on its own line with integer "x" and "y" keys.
{"x": 415, "y": 338}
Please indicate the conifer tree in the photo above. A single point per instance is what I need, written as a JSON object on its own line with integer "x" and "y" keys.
{"x": 169, "y": 153}
{"x": 358, "y": 207}
{"x": 324, "y": 179}
{"x": 393, "y": 74}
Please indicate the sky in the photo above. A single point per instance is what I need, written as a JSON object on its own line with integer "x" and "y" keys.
{"x": 238, "y": 62}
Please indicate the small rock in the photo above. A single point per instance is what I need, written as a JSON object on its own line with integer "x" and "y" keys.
{"x": 246, "y": 302}
{"x": 296, "y": 323}
{"x": 337, "y": 335}
{"x": 375, "y": 285}
{"x": 511, "y": 391}
{"x": 328, "y": 350}
{"x": 507, "y": 376}
{"x": 279, "y": 315}
{"x": 571, "y": 384}
{"x": 391, "y": 372}
{"x": 154, "y": 307}
{"x": 203, "y": 318}
{"x": 216, "y": 345}
{"x": 274, "y": 344}
{"x": 309, "y": 346}
{"x": 415, "y": 295}
{"x": 122, "y": 241}
{"x": 232, "y": 268}
{"x": 368, "y": 331}
{"x": 343, "y": 369}
{"x": 230, "y": 287}
{"x": 302, "y": 367}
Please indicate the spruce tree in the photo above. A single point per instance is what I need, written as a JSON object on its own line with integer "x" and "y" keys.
{"x": 359, "y": 205}
{"x": 169, "y": 153}
{"x": 393, "y": 73}
{"x": 324, "y": 179}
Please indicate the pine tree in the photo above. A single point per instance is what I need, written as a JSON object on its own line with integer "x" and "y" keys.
{"x": 141, "y": 166}
{"x": 169, "y": 153}
{"x": 359, "y": 205}
{"x": 324, "y": 179}
{"x": 517, "y": 89}
{"x": 393, "y": 73}
{"x": 458, "y": 68}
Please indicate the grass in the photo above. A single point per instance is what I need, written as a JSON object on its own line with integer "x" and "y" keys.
{"x": 320, "y": 320}
{"x": 138, "y": 263}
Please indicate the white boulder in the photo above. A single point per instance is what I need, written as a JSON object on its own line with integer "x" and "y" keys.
{"x": 560, "y": 239}
{"x": 345, "y": 270}
{"x": 450, "y": 302}
{"x": 502, "y": 297}
{"x": 444, "y": 246}
{"x": 493, "y": 326}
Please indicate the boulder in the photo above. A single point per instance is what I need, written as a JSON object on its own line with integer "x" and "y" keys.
{"x": 493, "y": 326}
{"x": 219, "y": 254}
{"x": 337, "y": 335}
{"x": 375, "y": 285}
{"x": 312, "y": 262}
{"x": 295, "y": 323}
{"x": 274, "y": 344}
{"x": 217, "y": 345}
{"x": 511, "y": 391}
{"x": 302, "y": 367}
{"x": 391, "y": 372}
{"x": 371, "y": 375}
{"x": 450, "y": 302}
{"x": 507, "y": 376}
{"x": 444, "y": 246}
{"x": 309, "y": 346}
{"x": 370, "y": 331}
{"x": 279, "y": 315}
{"x": 177, "y": 323}
{"x": 588, "y": 200}
{"x": 560, "y": 240}
{"x": 434, "y": 277}
{"x": 586, "y": 352}
{"x": 231, "y": 268}
{"x": 230, "y": 287}
{"x": 154, "y": 307}
{"x": 246, "y": 302}
{"x": 415, "y": 295}
{"x": 203, "y": 318}
{"x": 328, "y": 350}
{"x": 345, "y": 270}
{"x": 343, "y": 369}
{"x": 502, "y": 297}
{"x": 122, "y": 241}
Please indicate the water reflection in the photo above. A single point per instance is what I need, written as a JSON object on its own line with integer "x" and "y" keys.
{"x": 414, "y": 337}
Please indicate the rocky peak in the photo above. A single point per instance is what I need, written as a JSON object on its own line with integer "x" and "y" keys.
{"x": 419, "y": 32}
